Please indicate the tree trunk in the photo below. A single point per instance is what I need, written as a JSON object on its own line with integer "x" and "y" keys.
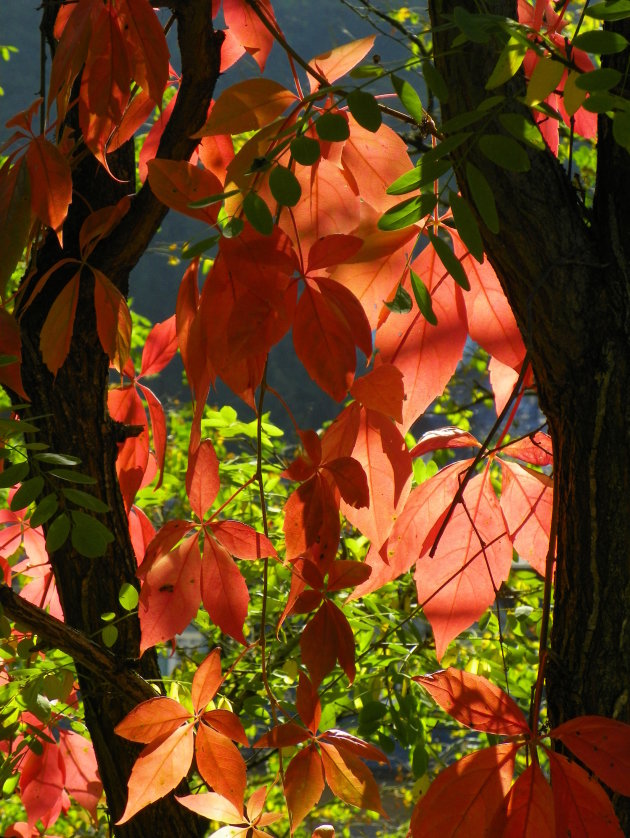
{"x": 71, "y": 412}
{"x": 565, "y": 271}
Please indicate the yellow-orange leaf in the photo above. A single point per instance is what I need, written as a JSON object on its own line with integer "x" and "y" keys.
{"x": 246, "y": 106}
{"x": 338, "y": 61}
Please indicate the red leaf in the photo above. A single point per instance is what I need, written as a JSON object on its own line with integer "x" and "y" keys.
{"x": 465, "y": 797}
{"x": 382, "y": 389}
{"x": 308, "y": 705}
{"x": 332, "y": 250}
{"x": 529, "y": 809}
{"x": 51, "y": 183}
{"x": 444, "y": 438}
{"x": 348, "y": 308}
{"x": 347, "y": 742}
{"x": 473, "y": 558}
{"x": 202, "y": 478}
{"x": 160, "y": 346}
{"x": 70, "y": 53}
{"x": 283, "y": 736}
{"x": 535, "y": 448}
{"x": 158, "y": 428}
{"x": 248, "y": 29}
{"x": 381, "y": 450}
{"x": 583, "y": 809}
{"x": 318, "y": 645}
{"x": 56, "y": 334}
{"x": 475, "y": 702}
{"x": 163, "y": 542}
{"x": 603, "y": 745}
{"x": 338, "y": 61}
{"x": 527, "y": 503}
{"x": 221, "y": 764}
{"x": 178, "y": 183}
{"x": 158, "y": 770}
{"x": 350, "y": 779}
{"x": 113, "y": 320}
{"x": 223, "y": 590}
{"x": 242, "y": 540}
{"x": 350, "y": 479}
{"x": 227, "y": 724}
{"x": 426, "y": 355}
{"x": 346, "y": 574}
{"x": 303, "y": 784}
{"x": 170, "y": 596}
{"x": 207, "y": 680}
{"x": 82, "y": 778}
{"x": 42, "y": 779}
{"x": 147, "y": 47}
{"x": 344, "y": 639}
{"x": 153, "y": 719}
{"x": 311, "y": 521}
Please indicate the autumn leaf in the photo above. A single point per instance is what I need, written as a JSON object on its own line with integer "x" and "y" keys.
{"x": 303, "y": 784}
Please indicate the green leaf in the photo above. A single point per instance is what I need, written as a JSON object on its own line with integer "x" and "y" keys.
{"x": 189, "y": 251}
{"x": 407, "y": 212}
{"x": 284, "y": 186}
{"x": 213, "y": 199}
{"x": 58, "y": 459}
{"x": 445, "y": 147}
{"x": 258, "y": 214}
{"x": 89, "y": 537}
{"x": 419, "y": 760}
{"x": 86, "y": 500}
{"x": 305, "y": 150}
{"x": 544, "y": 80}
{"x": 57, "y": 533}
{"x": 5, "y": 360}
{"x": 613, "y": 10}
{"x": 601, "y": 102}
{"x": 409, "y": 98}
{"x": 232, "y": 228}
{"x": 423, "y": 298}
{"x": 128, "y": 597}
{"x": 449, "y": 260}
{"x": 522, "y": 128}
{"x": 13, "y": 427}
{"x": 509, "y": 61}
{"x": 425, "y": 172}
{"x": 44, "y": 510}
{"x": 601, "y": 79}
{"x": 332, "y": 127}
{"x": 483, "y": 197}
{"x": 364, "y": 108}
{"x": 401, "y": 304}
{"x": 505, "y": 152}
{"x": 13, "y": 474}
{"x": 72, "y": 476}
{"x": 466, "y": 225}
{"x": 108, "y": 616}
{"x": 27, "y": 493}
{"x": 621, "y": 129}
{"x": 109, "y": 636}
{"x": 474, "y": 26}
{"x": 435, "y": 80}
{"x": 366, "y": 71}
{"x": 600, "y": 42}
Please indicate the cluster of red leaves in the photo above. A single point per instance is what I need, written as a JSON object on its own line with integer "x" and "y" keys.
{"x": 489, "y": 802}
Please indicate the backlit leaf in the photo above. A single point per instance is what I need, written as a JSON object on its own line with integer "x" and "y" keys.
{"x": 603, "y": 745}
{"x": 364, "y": 108}
{"x": 153, "y": 719}
{"x": 246, "y": 106}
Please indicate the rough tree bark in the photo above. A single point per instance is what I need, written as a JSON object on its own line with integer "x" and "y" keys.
{"x": 72, "y": 414}
{"x": 566, "y": 273}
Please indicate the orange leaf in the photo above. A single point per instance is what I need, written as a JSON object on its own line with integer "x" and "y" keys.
{"x": 51, "y": 183}
{"x": 248, "y": 29}
{"x": 147, "y": 46}
{"x": 381, "y": 450}
{"x": 476, "y": 784}
{"x": 178, "y": 183}
{"x": 223, "y": 590}
{"x": 113, "y": 320}
{"x": 603, "y": 745}
{"x": 56, "y": 334}
{"x": 307, "y": 703}
{"x": 535, "y": 449}
{"x": 202, "y": 478}
{"x": 346, "y": 574}
{"x": 213, "y": 806}
{"x": 527, "y": 502}
{"x": 347, "y": 742}
{"x": 475, "y": 702}
{"x": 583, "y": 809}
{"x": 283, "y": 736}
{"x": 473, "y": 558}
{"x": 160, "y": 346}
{"x": 350, "y": 479}
{"x": 220, "y": 764}
{"x": 158, "y": 770}
{"x": 303, "y": 784}
{"x": 381, "y": 389}
{"x": 42, "y": 779}
{"x": 332, "y": 250}
{"x": 242, "y": 540}
{"x": 246, "y": 106}
{"x": 338, "y": 61}
{"x": 444, "y": 438}
{"x": 82, "y": 779}
{"x": 227, "y": 724}
{"x": 158, "y": 427}
{"x": 349, "y": 779}
{"x": 207, "y": 680}
{"x": 153, "y": 719}
{"x": 529, "y": 809}
{"x": 311, "y": 521}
